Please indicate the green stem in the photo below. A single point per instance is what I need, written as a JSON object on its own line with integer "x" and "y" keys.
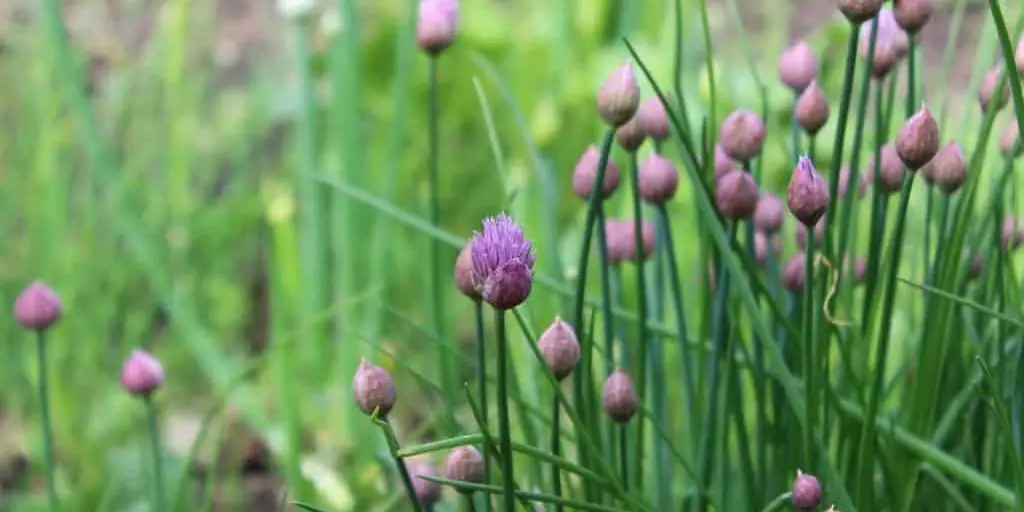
{"x": 481, "y": 375}
{"x": 607, "y": 324}
{"x": 912, "y": 105}
{"x": 809, "y": 358}
{"x": 437, "y": 274}
{"x": 470, "y": 506}
{"x": 840, "y": 140}
{"x": 403, "y": 470}
{"x": 556, "y": 449}
{"x": 641, "y": 313}
{"x": 504, "y": 429}
{"x": 158, "y": 470}
{"x": 44, "y": 410}
{"x": 624, "y": 454}
{"x": 686, "y": 350}
{"x": 879, "y": 207}
{"x": 778, "y": 503}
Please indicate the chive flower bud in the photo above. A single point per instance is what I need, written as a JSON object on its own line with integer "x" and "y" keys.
{"x": 502, "y": 263}
{"x": 987, "y": 90}
{"x": 723, "y": 162}
{"x": 742, "y": 135}
{"x": 629, "y": 136}
{"x": 618, "y": 397}
{"x": 141, "y": 374}
{"x": 798, "y": 66}
{"x": 658, "y": 179}
{"x": 811, "y": 110}
{"x": 585, "y": 174}
{"x": 464, "y": 464}
{"x": 949, "y": 169}
{"x": 806, "y": 491}
{"x": 1009, "y": 141}
{"x": 37, "y": 307}
{"x": 464, "y": 273}
{"x": 373, "y": 389}
{"x": 912, "y": 15}
{"x": 793, "y": 273}
{"x": 620, "y": 240}
{"x": 763, "y": 243}
{"x": 769, "y": 213}
{"x": 560, "y": 348}
{"x": 844, "y": 182}
{"x": 736, "y": 195}
{"x": 428, "y": 492}
{"x": 890, "y": 169}
{"x": 808, "y": 194}
{"x": 437, "y": 24}
{"x": 619, "y": 96}
{"x": 917, "y": 142}
{"x": 1018, "y": 55}
{"x": 859, "y": 11}
{"x": 653, "y": 119}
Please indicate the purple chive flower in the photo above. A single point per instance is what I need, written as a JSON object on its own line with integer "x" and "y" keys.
{"x": 502, "y": 263}
{"x": 37, "y": 307}
{"x": 437, "y": 25}
{"x": 141, "y": 374}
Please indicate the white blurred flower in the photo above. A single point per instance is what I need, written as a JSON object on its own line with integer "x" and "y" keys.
{"x": 295, "y": 9}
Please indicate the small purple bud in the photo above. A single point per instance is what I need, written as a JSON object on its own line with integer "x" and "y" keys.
{"x": 819, "y": 233}
{"x": 736, "y": 195}
{"x": 917, "y": 142}
{"x": 793, "y": 273}
{"x": 619, "y": 96}
{"x": 37, "y": 307}
{"x": 891, "y": 170}
{"x": 560, "y": 348}
{"x": 502, "y": 263}
{"x": 859, "y": 11}
{"x": 769, "y": 213}
{"x": 585, "y": 174}
{"x": 1013, "y": 233}
{"x": 742, "y": 135}
{"x": 912, "y": 15}
{"x": 658, "y": 179}
{"x": 890, "y": 44}
{"x": 806, "y": 491}
{"x": 723, "y": 162}
{"x": 619, "y": 398}
{"x": 629, "y": 136}
{"x": 653, "y": 119}
{"x": 987, "y": 90}
{"x": 428, "y": 492}
{"x": 798, "y": 66}
{"x": 620, "y": 238}
{"x": 374, "y": 389}
{"x": 1009, "y": 141}
{"x": 438, "y": 22}
{"x": 464, "y": 273}
{"x": 948, "y": 169}
{"x": 141, "y": 374}
{"x": 807, "y": 195}
{"x": 465, "y": 465}
{"x": 811, "y": 110}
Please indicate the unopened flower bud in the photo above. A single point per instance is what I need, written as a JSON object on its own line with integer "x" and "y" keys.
{"x": 912, "y": 15}
{"x": 1009, "y": 142}
{"x": 620, "y": 239}
{"x": 37, "y": 307}
{"x": 723, "y": 162}
{"x": 464, "y": 273}
{"x": 798, "y": 66}
{"x": 1013, "y": 233}
{"x": 658, "y": 179}
{"x": 807, "y": 195}
{"x": 859, "y": 11}
{"x": 819, "y": 233}
{"x": 811, "y": 109}
{"x": 653, "y": 119}
{"x": 917, "y": 142}
{"x": 585, "y": 174}
{"x": 374, "y": 389}
{"x": 619, "y": 398}
{"x": 619, "y": 96}
{"x": 629, "y": 136}
{"x": 438, "y": 21}
{"x": 428, "y": 492}
{"x": 736, "y": 195}
{"x": 141, "y": 374}
{"x": 844, "y": 182}
{"x": 987, "y": 90}
{"x": 465, "y": 465}
{"x": 560, "y": 348}
{"x": 764, "y": 243}
{"x": 806, "y": 491}
{"x": 891, "y": 170}
{"x": 948, "y": 169}
{"x": 793, "y": 273}
{"x": 742, "y": 135}
{"x": 891, "y": 43}
{"x": 769, "y": 213}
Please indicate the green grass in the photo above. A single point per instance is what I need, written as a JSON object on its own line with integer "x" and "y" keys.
{"x": 260, "y": 231}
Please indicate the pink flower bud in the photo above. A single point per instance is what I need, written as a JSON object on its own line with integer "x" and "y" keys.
{"x": 438, "y": 22}
{"x": 141, "y": 374}
{"x": 723, "y": 162}
{"x": 428, "y": 492}
{"x": 987, "y": 90}
{"x": 859, "y": 11}
{"x": 465, "y": 465}
{"x": 560, "y": 348}
{"x": 585, "y": 174}
{"x": 798, "y": 66}
{"x": 1009, "y": 141}
{"x": 37, "y": 307}
{"x": 811, "y": 110}
{"x": 891, "y": 170}
{"x": 736, "y": 195}
{"x": 619, "y": 96}
{"x": 793, "y": 273}
{"x": 620, "y": 239}
{"x": 762, "y": 245}
{"x": 373, "y": 389}
{"x": 917, "y": 142}
{"x": 464, "y": 273}
{"x": 806, "y": 491}
{"x": 912, "y": 15}
{"x": 657, "y": 179}
{"x": 629, "y": 136}
{"x": 653, "y": 119}
{"x": 769, "y": 213}
{"x": 949, "y": 169}
{"x": 807, "y": 194}
{"x": 742, "y": 135}
{"x": 619, "y": 398}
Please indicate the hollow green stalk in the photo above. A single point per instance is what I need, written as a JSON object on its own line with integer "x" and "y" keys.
{"x": 660, "y": 463}
{"x": 504, "y": 428}
{"x": 481, "y": 375}
{"x": 641, "y": 313}
{"x": 624, "y": 454}
{"x": 403, "y": 470}
{"x": 159, "y": 500}
{"x": 686, "y": 350}
{"x": 556, "y": 449}
{"x": 607, "y": 321}
{"x": 44, "y": 412}
{"x": 470, "y": 505}
{"x": 778, "y": 503}
{"x": 879, "y": 207}
{"x": 809, "y": 361}
{"x": 840, "y": 140}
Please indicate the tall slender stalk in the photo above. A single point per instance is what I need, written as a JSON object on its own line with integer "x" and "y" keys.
{"x": 158, "y": 465}
{"x": 403, "y": 470}
{"x": 44, "y": 411}
{"x": 809, "y": 360}
{"x": 840, "y": 140}
{"x": 607, "y": 321}
{"x": 641, "y": 314}
{"x": 556, "y": 449}
{"x": 624, "y": 454}
{"x": 686, "y": 351}
{"x": 481, "y": 376}
{"x": 504, "y": 428}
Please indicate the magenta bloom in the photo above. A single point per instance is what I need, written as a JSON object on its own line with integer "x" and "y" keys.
{"x": 141, "y": 374}
{"x": 502, "y": 263}
{"x": 37, "y": 307}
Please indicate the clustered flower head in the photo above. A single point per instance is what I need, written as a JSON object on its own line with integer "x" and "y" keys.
{"x": 502, "y": 263}
{"x": 806, "y": 491}
{"x": 990, "y": 83}
{"x": 620, "y": 240}
{"x": 736, "y": 195}
{"x": 798, "y": 66}
{"x": 373, "y": 389}
{"x": 619, "y": 96}
{"x": 618, "y": 397}
{"x": 917, "y": 142}
{"x": 742, "y": 135}
{"x": 437, "y": 24}
{"x": 811, "y": 110}
{"x": 657, "y": 179}
{"x": 807, "y": 195}
{"x": 560, "y": 348}
{"x": 141, "y": 374}
{"x": 584, "y": 176}
{"x": 859, "y": 11}
{"x": 37, "y": 307}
